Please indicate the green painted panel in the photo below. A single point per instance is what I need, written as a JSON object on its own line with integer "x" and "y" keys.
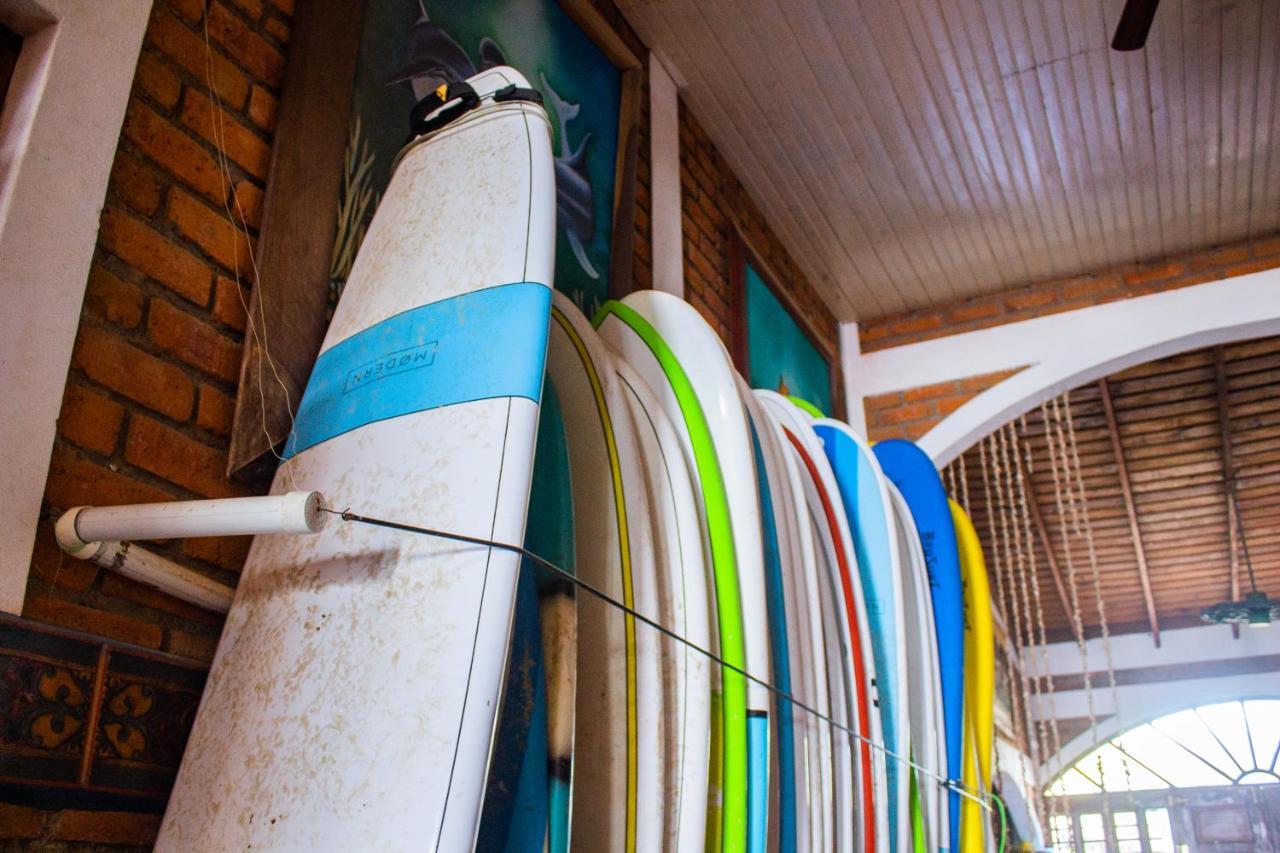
{"x": 780, "y": 356}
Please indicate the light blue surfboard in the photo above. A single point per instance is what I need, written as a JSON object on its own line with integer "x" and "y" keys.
{"x": 913, "y": 472}
{"x": 865, "y": 495}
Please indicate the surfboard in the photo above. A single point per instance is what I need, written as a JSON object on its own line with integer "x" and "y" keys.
{"x": 515, "y": 816}
{"x": 809, "y": 681}
{"x": 979, "y": 681}
{"x": 617, "y": 787}
{"x": 913, "y": 472}
{"x": 711, "y": 375}
{"x": 641, "y": 345}
{"x": 864, "y": 492}
{"x": 776, "y": 510}
{"x": 922, "y": 650}
{"x": 422, "y": 407}
{"x": 550, "y": 536}
{"x": 526, "y": 802}
{"x": 845, "y": 596}
{"x": 683, "y": 608}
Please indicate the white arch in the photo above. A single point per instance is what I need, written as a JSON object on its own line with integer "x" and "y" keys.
{"x": 1063, "y": 351}
{"x": 1157, "y": 700}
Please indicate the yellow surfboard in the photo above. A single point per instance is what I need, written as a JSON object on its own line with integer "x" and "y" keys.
{"x": 979, "y": 679}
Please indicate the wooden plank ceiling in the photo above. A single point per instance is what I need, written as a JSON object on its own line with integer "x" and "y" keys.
{"x": 911, "y": 153}
{"x": 1168, "y": 415}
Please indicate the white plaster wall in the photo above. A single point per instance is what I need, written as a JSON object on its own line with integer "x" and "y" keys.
{"x": 58, "y": 137}
{"x": 1063, "y": 351}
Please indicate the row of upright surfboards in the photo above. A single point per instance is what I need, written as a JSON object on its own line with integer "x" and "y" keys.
{"x": 824, "y": 662}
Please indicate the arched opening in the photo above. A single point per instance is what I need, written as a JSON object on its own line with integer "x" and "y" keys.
{"x": 1197, "y": 778}
{"x": 1111, "y": 516}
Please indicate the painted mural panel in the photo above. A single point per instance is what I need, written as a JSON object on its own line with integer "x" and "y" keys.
{"x": 780, "y": 355}
{"x": 409, "y": 47}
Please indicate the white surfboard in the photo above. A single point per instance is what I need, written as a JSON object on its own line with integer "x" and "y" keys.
{"x": 352, "y": 699}
{"x": 711, "y": 373}
{"x": 617, "y": 786}
{"x": 796, "y": 559}
{"x": 683, "y": 609}
{"x": 922, "y": 651}
{"x": 850, "y": 756}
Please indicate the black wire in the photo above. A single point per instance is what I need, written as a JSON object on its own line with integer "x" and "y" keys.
{"x": 347, "y": 515}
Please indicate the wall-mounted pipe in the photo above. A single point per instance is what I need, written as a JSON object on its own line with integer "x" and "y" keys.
{"x": 141, "y": 565}
{"x": 101, "y": 534}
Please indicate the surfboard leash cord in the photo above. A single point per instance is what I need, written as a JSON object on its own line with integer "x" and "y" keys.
{"x": 950, "y": 784}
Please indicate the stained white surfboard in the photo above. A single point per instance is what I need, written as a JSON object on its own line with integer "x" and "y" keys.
{"x": 617, "y": 786}
{"x": 710, "y": 372}
{"x": 683, "y": 609}
{"x": 352, "y": 699}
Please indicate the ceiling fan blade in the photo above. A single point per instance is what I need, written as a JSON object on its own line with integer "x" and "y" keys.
{"x": 1135, "y": 24}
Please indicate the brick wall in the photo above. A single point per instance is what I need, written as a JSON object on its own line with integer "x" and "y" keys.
{"x": 148, "y": 400}
{"x": 910, "y": 414}
{"x": 714, "y": 204}
{"x": 1067, "y": 294}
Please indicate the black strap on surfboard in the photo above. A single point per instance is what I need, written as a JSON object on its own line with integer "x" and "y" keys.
{"x": 446, "y": 104}
{"x": 451, "y": 101}
{"x": 517, "y": 93}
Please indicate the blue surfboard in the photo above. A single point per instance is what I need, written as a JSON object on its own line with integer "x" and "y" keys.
{"x": 865, "y": 496}
{"x": 779, "y": 649}
{"x": 526, "y": 804}
{"x": 913, "y": 472}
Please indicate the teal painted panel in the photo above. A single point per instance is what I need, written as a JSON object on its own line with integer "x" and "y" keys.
{"x": 778, "y": 351}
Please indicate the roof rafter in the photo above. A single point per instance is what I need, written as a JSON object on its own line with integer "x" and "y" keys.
{"x": 1122, "y": 471}
{"x": 1228, "y": 473}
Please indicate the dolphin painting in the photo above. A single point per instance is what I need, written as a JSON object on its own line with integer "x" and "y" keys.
{"x": 435, "y": 57}
{"x": 574, "y": 211}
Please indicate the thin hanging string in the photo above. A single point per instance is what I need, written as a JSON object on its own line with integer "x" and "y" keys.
{"x": 1099, "y": 599}
{"x": 951, "y": 784}
{"x": 1059, "y": 460}
{"x": 1001, "y": 601}
{"x": 1026, "y": 686}
{"x": 1018, "y": 688}
{"x": 963, "y": 474}
{"x": 217, "y": 121}
{"x": 1024, "y": 466}
{"x": 1026, "y": 629}
{"x": 1057, "y": 466}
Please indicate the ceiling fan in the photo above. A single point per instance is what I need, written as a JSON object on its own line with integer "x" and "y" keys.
{"x": 1135, "y": 24}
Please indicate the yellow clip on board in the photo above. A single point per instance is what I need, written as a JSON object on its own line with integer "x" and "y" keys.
{"x": 979, "y": 678}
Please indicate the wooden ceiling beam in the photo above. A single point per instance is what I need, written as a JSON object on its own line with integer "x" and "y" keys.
{"x": 1033, "y": 507}
{"x": 1122, "y": 471}
{"x": 1228, "y": 474}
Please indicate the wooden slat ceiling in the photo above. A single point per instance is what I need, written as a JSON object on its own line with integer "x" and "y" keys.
{"x": 911, "y": 153}
{"x": 1167, "y": 414}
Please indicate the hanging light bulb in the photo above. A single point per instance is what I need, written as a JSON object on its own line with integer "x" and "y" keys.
{"x": 1257, "y": 609}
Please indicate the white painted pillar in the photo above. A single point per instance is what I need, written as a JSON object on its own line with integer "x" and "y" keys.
{"x": 850, "y": 350}
{"x": 57, "y": 141}
{"x": 664, "y": 188}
